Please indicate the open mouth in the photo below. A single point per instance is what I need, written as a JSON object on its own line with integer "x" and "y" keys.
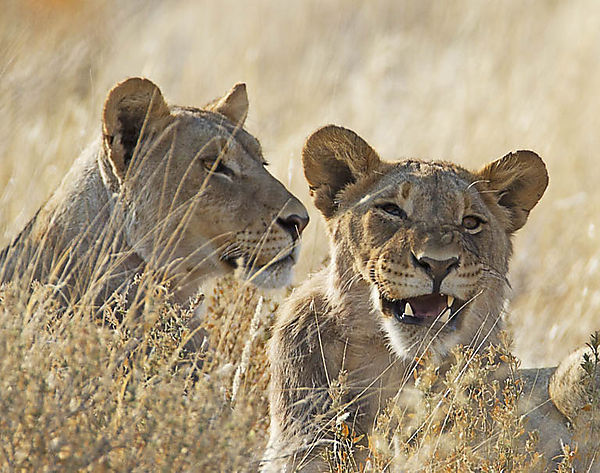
{"x": 424, "y": 310}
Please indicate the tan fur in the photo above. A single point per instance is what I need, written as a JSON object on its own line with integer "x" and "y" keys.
{"x": 576, "y": 394}
{"x": 561, "y": 403}
{"x": 179, "y": 191}
{"x": 398, "y": 230}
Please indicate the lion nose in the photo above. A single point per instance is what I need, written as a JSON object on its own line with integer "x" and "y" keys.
{"x": 437, "y": 269}
{"x": 294, "y": 224}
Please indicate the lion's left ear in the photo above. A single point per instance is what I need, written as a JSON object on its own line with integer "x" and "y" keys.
{"x": 519, "y": 180}
{"x": 233, "y": 105}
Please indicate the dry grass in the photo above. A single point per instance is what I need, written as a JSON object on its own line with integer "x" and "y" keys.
{"x": 462, "y": 80}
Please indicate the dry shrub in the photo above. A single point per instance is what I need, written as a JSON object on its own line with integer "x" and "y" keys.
{"x": 466, "y": 420}
{"x": 122, "y": 393}
{"x": 80, "y": 396}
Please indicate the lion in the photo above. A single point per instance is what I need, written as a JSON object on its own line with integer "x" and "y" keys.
{"x": 419, "y": 262}
{"x": 179, "y": 192}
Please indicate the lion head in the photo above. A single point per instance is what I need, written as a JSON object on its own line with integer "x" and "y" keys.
{"x": 430, "y": 239}
{"x": 194, "y": 189}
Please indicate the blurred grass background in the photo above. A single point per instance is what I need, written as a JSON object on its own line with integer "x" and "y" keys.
{"x": 465, "y": 81}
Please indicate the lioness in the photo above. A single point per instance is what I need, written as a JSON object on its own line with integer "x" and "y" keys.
{"x": 419, "y": 258}
{"x": 179, "y": 191}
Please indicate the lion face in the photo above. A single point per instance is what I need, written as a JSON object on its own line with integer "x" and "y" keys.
{"x": 436, "y": 258}
{"x": 195, "y": 190}
{"x": 431, "y": 240}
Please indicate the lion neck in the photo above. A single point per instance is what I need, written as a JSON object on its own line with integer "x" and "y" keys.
{"x": 374, "y": 371}
{"x": 77, "y": 241}
{"x": 349, "y": 296}
{"x": 183, "y": 281}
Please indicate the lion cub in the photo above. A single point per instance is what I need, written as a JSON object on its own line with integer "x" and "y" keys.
{"x": 419, "y": 258}
{"x": 181, "y": 192}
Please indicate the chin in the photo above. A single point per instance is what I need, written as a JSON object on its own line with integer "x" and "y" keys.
{"x": 409, "y": 346}
{"x": 419, "y": 324}
{"x": 272, "y": 275}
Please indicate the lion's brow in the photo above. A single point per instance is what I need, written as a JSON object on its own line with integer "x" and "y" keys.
{"x": 250, "y": 144}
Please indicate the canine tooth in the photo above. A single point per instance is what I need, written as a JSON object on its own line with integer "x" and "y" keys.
{"x": 450, "y": 301}
{"x": 408, "y": 309}
{"x": 445, "y": 317}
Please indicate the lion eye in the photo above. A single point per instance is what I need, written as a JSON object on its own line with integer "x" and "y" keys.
{"x": 392, "y": 209}
{"x": 216, "y": 165}
{"x": 472, "y": 222}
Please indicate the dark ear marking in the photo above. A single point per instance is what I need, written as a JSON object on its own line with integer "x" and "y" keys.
{"x": 129, "y": 105}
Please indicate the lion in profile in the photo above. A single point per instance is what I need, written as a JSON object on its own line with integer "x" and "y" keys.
{"x": 419, "y": 258}
{"x": 180, "y": 192}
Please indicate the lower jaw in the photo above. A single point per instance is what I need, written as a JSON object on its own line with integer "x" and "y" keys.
{"x": 252, "y": 267}
{"x": 269, "y": 276}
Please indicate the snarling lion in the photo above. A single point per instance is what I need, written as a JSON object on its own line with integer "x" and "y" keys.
{"x": 419, "y": 258}
{"x": 181, "y": 192}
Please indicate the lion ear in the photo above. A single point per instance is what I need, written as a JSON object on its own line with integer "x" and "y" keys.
{"x": 334, "y": 157}
{"x": 129, "y": 107}
{"x": 519, "y": 180}
{"x": 233, "y": 105}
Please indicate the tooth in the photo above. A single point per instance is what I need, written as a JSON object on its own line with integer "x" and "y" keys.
{"x": 450, "y": 301}
{"x": 445, "y": 317}
{"x": 408, "y": 310}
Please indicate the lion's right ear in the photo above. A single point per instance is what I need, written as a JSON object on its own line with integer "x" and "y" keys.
{"x": 130, "y": 106}
{"x": 334, "y": 157}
